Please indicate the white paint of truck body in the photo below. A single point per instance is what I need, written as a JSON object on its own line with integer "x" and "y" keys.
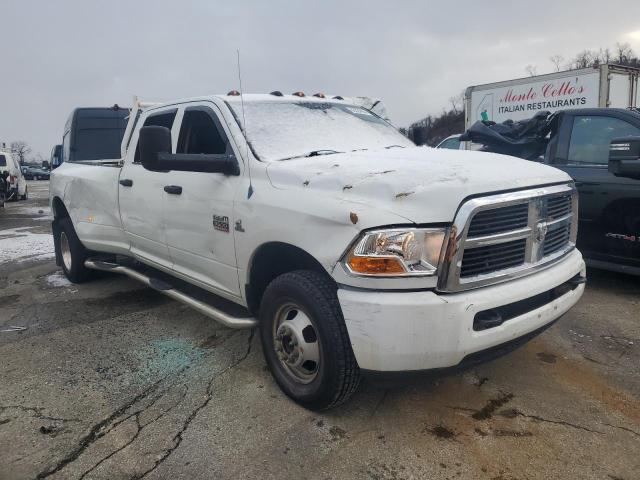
{"x": 319, "y": 205}
{"x": 399, "y": 331}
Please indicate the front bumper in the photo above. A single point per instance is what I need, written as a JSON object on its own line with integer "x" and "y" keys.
{"x": 405, "y": 331}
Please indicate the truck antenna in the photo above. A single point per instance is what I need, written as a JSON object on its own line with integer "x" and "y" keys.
{"x": 244, "y": 126}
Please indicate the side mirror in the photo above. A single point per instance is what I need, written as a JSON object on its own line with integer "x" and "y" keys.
{"x": 624, "y": 157}
{"x": 153, "y": 140}
{"x": 155, "y": 155}
{"x": 56, "y": 158}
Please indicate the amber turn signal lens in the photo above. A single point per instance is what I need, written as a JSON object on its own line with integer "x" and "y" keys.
{"x": 375, "y": 265}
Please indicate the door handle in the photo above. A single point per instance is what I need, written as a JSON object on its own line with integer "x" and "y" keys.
{"x": 125, "y": 182}
{"x": 173, "y": 189}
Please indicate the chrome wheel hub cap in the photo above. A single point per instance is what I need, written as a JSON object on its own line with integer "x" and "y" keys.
{"x": 296, "y": 343}
{"x": 65, "y": 250}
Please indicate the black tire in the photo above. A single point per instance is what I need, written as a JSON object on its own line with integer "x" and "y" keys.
{"x": 66, "y": 241}
{"x": 337, "y": 375}
{"x": 26, "y": 194}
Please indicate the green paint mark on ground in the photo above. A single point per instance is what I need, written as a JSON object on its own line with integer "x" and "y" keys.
{"x": 170, "y": 355}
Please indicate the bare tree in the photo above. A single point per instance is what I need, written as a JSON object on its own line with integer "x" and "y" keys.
{"x": 623, "y": 53}
{"x": 604, "y": 55}
{"x": 556, "y": 60}
{"x": 20, "y": 149}
{"x": 584, "y": 59}
{"x": 531, "y": 70}
{"x": 457, "y": 102}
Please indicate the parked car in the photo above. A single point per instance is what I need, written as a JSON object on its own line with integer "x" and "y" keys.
{"x": 353, "y": 251}
{"x": 453, "y": 142}
{"x": 16, "y": 183}
{"x": 578, "y": 141}
{"x": 36, "y": 173}
{"x": 3, "y": 188}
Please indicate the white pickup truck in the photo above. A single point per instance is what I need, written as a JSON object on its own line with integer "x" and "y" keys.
{"x": 353, "y": 251}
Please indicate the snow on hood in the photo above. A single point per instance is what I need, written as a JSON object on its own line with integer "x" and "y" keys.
{"x": 422, "y": 185}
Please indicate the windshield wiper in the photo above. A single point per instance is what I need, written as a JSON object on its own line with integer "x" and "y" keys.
{"x": 313, "y": 153}
{"x": 316, "y": 153}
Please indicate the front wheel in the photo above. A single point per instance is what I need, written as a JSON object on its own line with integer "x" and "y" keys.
{"x": 70, "y": 251}
{"x": 305, "y": 340}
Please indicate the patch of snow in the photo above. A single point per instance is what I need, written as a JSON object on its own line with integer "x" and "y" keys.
{"x": 278, "y": 130}
{"x": 19, "y": 244}
{"x": 58, "y": 280}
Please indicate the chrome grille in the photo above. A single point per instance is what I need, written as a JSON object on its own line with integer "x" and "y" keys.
{"x": 509, "y": 235}
{"x": 556, "y": 240}
{"x": 477, "y": 261}
{"x": 558, "y": 206}
{"x": 497, "y": 220}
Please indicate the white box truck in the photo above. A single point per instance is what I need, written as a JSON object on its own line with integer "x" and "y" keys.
{"x": 603, "y": 86}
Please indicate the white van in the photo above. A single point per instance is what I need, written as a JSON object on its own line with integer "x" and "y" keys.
{"x": 17, "y": 184}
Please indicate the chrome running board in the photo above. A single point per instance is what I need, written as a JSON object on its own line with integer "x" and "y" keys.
{"x": 168, "y": 290}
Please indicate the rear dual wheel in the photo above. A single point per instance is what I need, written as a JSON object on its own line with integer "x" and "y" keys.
{"x": 72, "y": 253}
{"x": 305, "y": 340}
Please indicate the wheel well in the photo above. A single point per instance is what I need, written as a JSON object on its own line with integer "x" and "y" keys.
{"x": 59, "y": 210}
{"x": 271, "y": 260}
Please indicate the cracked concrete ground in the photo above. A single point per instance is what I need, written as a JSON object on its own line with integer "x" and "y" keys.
{"x": 112, "y": 381}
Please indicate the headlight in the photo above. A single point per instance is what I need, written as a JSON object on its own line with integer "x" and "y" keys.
{"x": 397, "y": 252}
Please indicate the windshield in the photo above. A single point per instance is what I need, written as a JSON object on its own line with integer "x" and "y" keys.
{"x": 279, "y": 131}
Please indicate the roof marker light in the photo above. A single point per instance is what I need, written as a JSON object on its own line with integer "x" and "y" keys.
{"x": 234, "y": 93}
{"x": 319, "y": 95}
{"x": 298, "y": 94}
{"x": 276, "y": 93}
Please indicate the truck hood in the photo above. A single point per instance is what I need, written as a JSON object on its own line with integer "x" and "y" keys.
{"x": 419, "y": 184}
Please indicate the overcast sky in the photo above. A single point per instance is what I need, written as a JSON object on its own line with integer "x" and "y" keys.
{"x": 414, "y": 55}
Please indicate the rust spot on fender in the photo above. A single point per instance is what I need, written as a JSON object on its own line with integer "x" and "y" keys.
{"x": 354, "y": 217}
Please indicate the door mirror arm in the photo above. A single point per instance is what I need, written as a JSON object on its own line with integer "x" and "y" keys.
{"x": 197, "y": 162}
{"x": 155, "y": 155}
